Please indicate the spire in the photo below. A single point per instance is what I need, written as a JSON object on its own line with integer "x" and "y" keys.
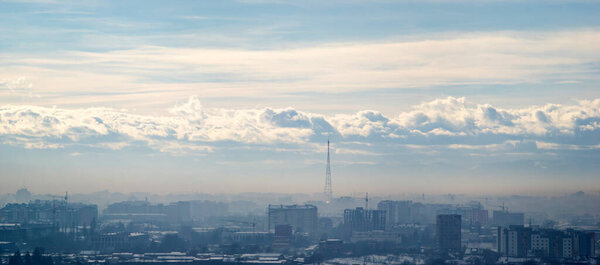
{"x": 328, "y": 191}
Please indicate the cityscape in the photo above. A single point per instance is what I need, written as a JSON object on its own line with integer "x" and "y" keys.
{"x": 333, "y": 132}
{"x": 257, "y": 228}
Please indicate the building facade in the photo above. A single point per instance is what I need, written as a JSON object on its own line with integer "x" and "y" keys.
{"x": 520, "y": 241}
{"x": 361, "y": 220}
{"x": 302, "y": 218}
{"x": 397, "y": 212}
{"x": 448, "y": 232}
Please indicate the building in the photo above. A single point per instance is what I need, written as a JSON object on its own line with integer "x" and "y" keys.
{"x": 583, "y": 244}
{"x": 130, "y": 207}
{"x": 426, "y": 213}
{"x": 397, "y": 212}
{"x": 540, "y": 246}
{"x": 331, "y": 247}
{"x": 252, "y": 238}
{"x": 379, "y": 236}
{"x": 143, "y": 211}
{"x": 179, "y": 212}
{"x": 110, "y": 241}
{"x": 25, "y": 232}
{"x": 477, "y": 217}
{"x": 520, "y": 241}
{"x": 505, "y": 218}
{"x": 302, "y": 218}
{"x": 57, "y": 212}
{"x": 448, "y": 232}
{"x": 283, "y": 237}
{"x": 515, "y": 241}
{"x": 361, "y": 220}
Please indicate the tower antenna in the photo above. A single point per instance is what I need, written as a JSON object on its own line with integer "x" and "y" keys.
{"x": 328, "y": 191}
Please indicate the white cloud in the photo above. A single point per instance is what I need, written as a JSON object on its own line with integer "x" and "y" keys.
{"x": 450, "y": 122}
{"x": 354, "y": 152}
{"x": 152, "y": 72}
{"x": 20, "y": 85}
{"x": 454, "y": 117}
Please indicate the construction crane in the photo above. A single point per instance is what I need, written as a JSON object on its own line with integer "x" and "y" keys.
{"x": 65, "y": 198}
{"x": 366, "y": 199}
{"x": 504, "y": 209}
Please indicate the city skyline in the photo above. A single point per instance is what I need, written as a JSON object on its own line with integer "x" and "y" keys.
{"x": 436, "y": 97}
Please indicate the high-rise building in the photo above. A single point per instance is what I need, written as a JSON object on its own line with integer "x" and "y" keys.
{"x": 472, "y": 214}
{"x": 477, "y": 217}
{"x": 448, "y": 234}
{"x": 397, "y": 212}
{"x": 56, "y": 212}
{"x": 302, "y": 218}
{"x": 514, "y": 241}
{"x": 584, "y": 244}
{"x": 520, "y": 241}
{"x": 361, "y": 220}
{"x": 179, "y": 212}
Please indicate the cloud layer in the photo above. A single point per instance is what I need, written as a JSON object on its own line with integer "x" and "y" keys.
{"x": 150, "y": 72}
{"x": 190, "y": 128}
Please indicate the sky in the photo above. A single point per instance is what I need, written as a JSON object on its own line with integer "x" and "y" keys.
{"x": 433, "y": 96}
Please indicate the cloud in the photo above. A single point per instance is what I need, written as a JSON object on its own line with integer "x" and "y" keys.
{"x": 453, "y": 117}
{"x": 354, "y": 152}
{"x": 488, "y": 58}
{"x": 19, "y": 86}
{"x": 20, "y": 83}
{"x": 451, "y": 123}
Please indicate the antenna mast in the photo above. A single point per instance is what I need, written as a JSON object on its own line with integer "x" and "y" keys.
{"x": 328, "y": 191}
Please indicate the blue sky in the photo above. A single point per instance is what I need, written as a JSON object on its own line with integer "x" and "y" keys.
{"x": 227, "y": 96}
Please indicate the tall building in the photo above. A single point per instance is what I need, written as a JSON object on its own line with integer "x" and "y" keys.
{"x": 514, "y": 241}
{"x": 520, "y": 241}
{"x": 477, "y": 217}
{"x": 584, "y": 244}
{"x": 56, "y": 212}
{"x": 361, "y": 220}
{"x": 447, "y": 233}
{"x": 302, "y": 218}
{"x": 397, "y": 212}
{"x": 179, "y": 212}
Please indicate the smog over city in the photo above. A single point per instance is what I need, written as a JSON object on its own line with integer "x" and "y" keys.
{"x": 299, "y": 132}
